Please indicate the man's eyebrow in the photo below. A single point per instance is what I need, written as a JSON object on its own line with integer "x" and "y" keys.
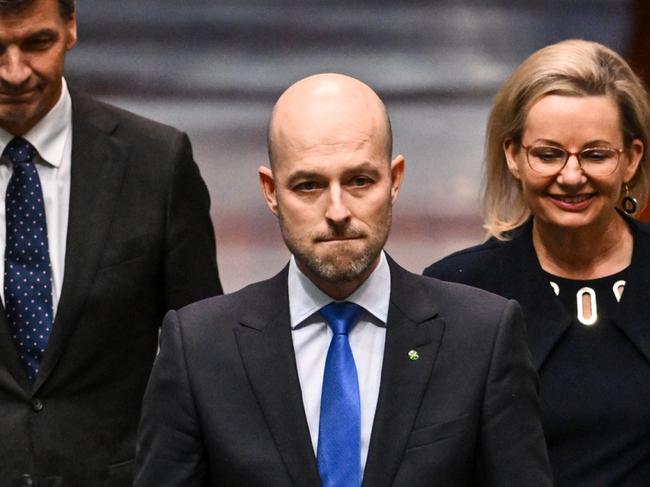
{"x": 363, "y": 166}
{"x": 301, "y": 175}
{"x": 45, "y": 32}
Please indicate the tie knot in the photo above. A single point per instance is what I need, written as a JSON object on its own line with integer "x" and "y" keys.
{"x": 341, "y": 316}
{"x": 19, "y": 151}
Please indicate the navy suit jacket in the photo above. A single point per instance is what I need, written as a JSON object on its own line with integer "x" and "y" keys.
{"x": 224, "y": 406}
{"x": 139, "y": 242}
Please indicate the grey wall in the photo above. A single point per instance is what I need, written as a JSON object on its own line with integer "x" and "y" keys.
{"x": 214, "y": 69}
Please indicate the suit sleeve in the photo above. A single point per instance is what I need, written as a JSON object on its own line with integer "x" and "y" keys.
{"x": 512, "y": 449}
{"x": 190, "y": 268}
{"x": 170, "y": 448}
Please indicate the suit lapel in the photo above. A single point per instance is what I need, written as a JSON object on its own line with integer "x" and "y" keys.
{"x": 545, "y": 316}
{"x": 632, "y": 316}
{"x": 412, "y": 326}
{"x": 266, "y": 349}
{"x": 97, "y": 171}
{"x": 12, "y": 367}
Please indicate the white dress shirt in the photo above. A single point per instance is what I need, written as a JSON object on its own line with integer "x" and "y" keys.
{"x": 311, "y": 339}
{"x": 52, "y": 138}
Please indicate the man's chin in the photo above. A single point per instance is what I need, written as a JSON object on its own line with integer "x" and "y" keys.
{"x": 341, "y": 269}
{"x": 338, "y": 276}
{"x": 14, "y": 119}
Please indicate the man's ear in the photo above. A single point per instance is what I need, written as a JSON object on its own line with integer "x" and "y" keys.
{"x": 397, "y": 176}
{"x": 71, "y": 34}
{"x": 267, "y": 184}
{"x": 510, "y": 150}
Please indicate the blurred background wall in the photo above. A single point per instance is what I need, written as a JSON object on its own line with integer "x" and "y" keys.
{"x": 215, "y": 68}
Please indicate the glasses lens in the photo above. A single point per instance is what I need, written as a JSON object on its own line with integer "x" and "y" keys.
{"x": 599, "y": 160}
{"x": 546, "y": 159}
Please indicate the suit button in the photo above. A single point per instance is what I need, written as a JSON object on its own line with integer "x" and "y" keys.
{"x": 37, "y": 405}
{"x": 26, "y": 481}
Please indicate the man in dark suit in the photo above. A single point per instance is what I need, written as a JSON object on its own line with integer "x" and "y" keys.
{"x": 104, "y": 226}
{"x": 418, "y": 382}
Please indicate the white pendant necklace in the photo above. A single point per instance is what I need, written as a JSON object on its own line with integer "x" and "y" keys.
{"x": 588, "y": 315}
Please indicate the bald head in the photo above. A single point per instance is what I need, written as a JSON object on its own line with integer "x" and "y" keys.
{"x": 327, "y": 109}
{"x": 332, "y": 183}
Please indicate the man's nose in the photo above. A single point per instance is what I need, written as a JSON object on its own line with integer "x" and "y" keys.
{"x": 14, "y": 71}
{"x": 337, "y": 210}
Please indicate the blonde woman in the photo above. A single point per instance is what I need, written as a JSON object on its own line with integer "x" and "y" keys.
{"x": 566, "y": 170}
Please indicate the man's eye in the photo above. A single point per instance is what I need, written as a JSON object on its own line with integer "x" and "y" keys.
{"x": 360, "y": 181}
{"x": 38, "y": 43}
{"x": 305, "y": 186}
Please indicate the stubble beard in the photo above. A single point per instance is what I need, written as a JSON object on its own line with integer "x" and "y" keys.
{"x": 12, "y": 116}
{"x": 18, "y": 118}
{"x": 346, "y": 265}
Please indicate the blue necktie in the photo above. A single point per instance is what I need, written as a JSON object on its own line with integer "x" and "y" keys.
{"x": 27, "y": 278}
{"x": 339, "y": 434}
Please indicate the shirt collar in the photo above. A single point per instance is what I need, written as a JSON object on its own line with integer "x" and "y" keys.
{"x": 305, "y": 298}
{"x": 50, "y": 134}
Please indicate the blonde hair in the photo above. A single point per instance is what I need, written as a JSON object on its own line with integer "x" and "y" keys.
{"x": 568, "y": 68}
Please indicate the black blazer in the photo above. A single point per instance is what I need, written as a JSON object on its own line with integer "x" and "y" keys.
{"x": 139, "y": 242}
{"x": 511, "y": 269}
{"x": 224, "y": 406}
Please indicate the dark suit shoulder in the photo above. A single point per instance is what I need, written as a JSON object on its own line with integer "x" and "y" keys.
{"x": 110, "y": 118}
{"x": 158, "y": 158}
{"x": 257, "y": 302}
{"x": 462, "y": 306}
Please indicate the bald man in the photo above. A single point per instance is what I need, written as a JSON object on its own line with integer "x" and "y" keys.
{"x": 344, "y": 368}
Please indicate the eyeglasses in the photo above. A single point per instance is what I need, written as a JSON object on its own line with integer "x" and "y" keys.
{"x": 549, "y": 160}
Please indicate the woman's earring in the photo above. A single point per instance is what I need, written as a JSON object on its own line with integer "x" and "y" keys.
{"x": 629, "y": 203}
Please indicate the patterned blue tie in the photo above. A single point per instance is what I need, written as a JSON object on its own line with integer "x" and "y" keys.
{"x": 339, "y": 434}
{"x": 27, "y": 279}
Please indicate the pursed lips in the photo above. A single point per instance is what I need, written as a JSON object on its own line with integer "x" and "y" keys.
{"x": 337, "y": 239}
{"x": 341, "y": 239}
